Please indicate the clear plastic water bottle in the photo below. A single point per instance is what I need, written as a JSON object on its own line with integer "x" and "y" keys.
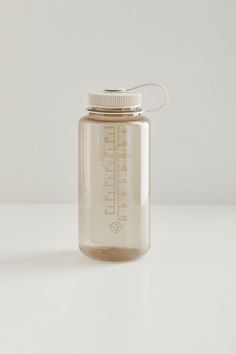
{"x": 114, "y": 186}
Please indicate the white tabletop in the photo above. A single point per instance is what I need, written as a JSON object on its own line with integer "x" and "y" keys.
{"x": 178, "y": 299}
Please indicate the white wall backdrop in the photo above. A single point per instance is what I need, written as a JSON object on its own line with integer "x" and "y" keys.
{"x": 54, "y": 51}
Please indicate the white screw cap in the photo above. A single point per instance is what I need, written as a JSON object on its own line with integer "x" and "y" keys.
{"x": 115, "y": 98}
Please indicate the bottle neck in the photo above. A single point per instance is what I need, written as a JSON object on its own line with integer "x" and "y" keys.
{"x": 115, "y": 114}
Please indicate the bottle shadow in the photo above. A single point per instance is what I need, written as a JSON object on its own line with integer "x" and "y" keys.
{"x": 53, "y": 259}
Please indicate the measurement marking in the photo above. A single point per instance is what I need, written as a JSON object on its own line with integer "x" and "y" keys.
{"x": 106, "y": 212}
{"x": 123, "y": 205}
{"x": 118, "y": 173}
{"x": 115, "y": 166}
{"x": 114, "y": 160}
{"x": 107, "y": 199}
{"x": 109, "y": 168}
{"x": 124, "y": 143}
{"x": 123, "y": 217}
{"x": 123, "y": 168}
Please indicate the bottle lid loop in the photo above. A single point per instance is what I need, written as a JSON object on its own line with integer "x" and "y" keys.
{"x": 158, "y": 108}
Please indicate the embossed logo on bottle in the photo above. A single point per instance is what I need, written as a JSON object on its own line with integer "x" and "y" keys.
{"x": 116, "y": 227}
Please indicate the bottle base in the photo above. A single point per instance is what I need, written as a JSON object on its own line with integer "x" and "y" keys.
{"x": 112, "y": 253}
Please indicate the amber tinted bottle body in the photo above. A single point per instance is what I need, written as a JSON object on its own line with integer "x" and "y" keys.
{"x": 114, "y": 187}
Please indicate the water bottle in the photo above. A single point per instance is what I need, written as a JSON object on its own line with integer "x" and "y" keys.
{"x": 114, "y": 180}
